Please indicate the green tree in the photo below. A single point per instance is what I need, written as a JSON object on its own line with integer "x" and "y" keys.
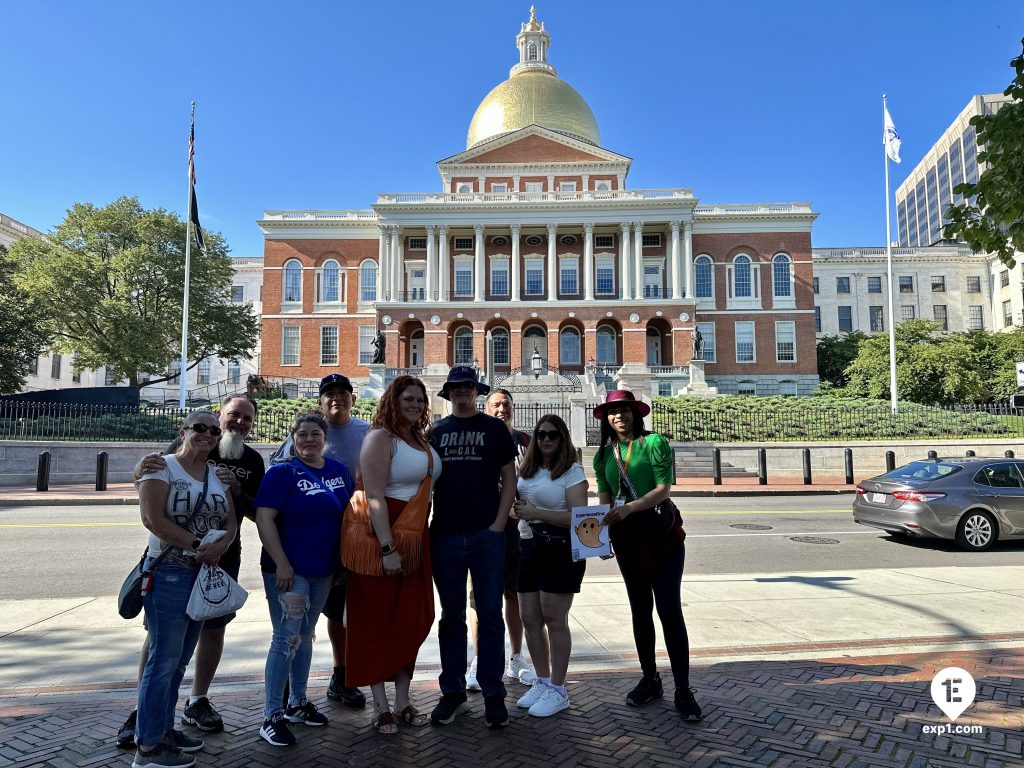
{"x": 23, "y": 333}
{"x": 931, "y": 368}
{"x": 998, "y": 354}
{"x": 835, "y": 353}
{"x": 991, "y": 219}
{"x": 111, "y": 280}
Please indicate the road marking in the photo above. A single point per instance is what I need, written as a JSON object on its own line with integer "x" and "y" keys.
{"x": 67, "y": 525}
{"x": 758, "y": 512}
{"x": 790, "y": 533}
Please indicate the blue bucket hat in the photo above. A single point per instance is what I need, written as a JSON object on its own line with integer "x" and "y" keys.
{"x": 463, "y": 374}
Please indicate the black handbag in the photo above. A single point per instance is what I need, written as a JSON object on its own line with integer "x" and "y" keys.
{"x": 657, "y": 521}
{"x": 129, "y": 599}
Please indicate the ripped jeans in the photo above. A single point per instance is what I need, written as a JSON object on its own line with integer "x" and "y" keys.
{"x": 291, "y": 648}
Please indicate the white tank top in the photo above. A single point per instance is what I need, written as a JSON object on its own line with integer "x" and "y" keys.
{"x": 408, "y": 466}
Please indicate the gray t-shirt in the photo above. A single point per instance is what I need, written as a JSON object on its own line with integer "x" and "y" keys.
{"x": 344, "y": 441}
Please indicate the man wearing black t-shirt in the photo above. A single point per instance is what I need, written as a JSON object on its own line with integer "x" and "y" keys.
{"x": 467, "y": 536}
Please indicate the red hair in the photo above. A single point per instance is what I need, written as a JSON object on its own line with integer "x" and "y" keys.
{"x": 386, "y": 416}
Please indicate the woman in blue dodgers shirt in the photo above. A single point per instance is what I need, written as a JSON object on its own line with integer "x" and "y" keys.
{"x": 298, "y": 512}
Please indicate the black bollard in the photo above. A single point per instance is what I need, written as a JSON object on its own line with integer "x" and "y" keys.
{"x": 848, "y": 461}
{"x": 932, "y": 455}
{"x": 969, "y": 454}
{"x": 1008, "y": 454}
{"x": 890, "y": 461}
{"x": 806, "y": 454}
{"x": 43, "y": 472}
{"x": 716, "y": 465}
{"x": 762, "y": 466}
{"x": 101, "y": 470}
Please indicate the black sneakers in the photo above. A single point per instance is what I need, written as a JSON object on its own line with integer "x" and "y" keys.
{"x": 687, "y": 705}
{"x": 448, "y": 708}
{"x": 275, "y": 731}
{"x": 495, "y": 712}
{"x": 182, "y": 741}
{"x": 163, "y": 756}
{"x": 126, "y": 733}
{"x": 350, "y": 697}
{"x": 646, "y": 691}
{"x": 305, "y": 712}
{"x": 203, "y": 716}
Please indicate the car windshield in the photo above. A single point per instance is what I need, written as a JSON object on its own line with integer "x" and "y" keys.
{"x": 922, "y": 470}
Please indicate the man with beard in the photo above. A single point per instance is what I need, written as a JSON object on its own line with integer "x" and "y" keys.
{"x": 241, "y": 470}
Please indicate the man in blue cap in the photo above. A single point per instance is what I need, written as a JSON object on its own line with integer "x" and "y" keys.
{"x": 467, "y": 536}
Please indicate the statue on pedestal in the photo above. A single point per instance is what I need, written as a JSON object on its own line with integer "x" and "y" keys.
{"x": 698, "y": 344}
{"x": 379, "y": 347}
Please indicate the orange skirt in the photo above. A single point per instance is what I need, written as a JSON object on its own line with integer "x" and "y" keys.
{"x": 388, "y": 618}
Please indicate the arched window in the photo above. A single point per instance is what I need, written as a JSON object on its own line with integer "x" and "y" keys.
{"x": 329, "y": 290}
{"x": 782, "y": 276}
{"x": 368, "y": 280}
{"x": 292, "y": 281}
{"x": 569, "y": 347}
{"x": 499, "y": 347}
{"x": 463, "y": 346}
{"x": 606, "y": 346}
{"x": 703, "y": 278}
{"x": 531, "y": 52}
{"x": 741, "y": 283}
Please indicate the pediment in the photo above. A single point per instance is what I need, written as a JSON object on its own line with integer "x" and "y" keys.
{"x": 533, "y": 145}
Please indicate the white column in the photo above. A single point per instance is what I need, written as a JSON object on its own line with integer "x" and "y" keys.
{"x": 638, "y": 260}
{"x": 382, "y": 263}
{"x": 478, "y": 264}
{"x": 395, "y": 262}
{"x": 516, "y": 228}
{"x": 588, "y": 262}
{"x": 688, "y": 288}
{"x": 552, "y": 262}
{"x": 444, "y": 268}
{"x": 431, "y": 262}
{"x": 624, "y": 260}
{"x": 674, "y": 265}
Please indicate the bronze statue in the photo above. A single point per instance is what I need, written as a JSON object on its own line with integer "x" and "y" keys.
{"x": 698, "y": 344}
{"x": 379, "y": 348}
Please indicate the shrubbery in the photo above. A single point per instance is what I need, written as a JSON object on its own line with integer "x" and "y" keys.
{"x": 276, "y": 416}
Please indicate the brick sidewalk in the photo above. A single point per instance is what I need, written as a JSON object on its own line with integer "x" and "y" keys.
{"x": 847, "y": 713}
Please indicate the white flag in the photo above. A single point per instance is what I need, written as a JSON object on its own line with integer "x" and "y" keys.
{"x": 890, "y": 138}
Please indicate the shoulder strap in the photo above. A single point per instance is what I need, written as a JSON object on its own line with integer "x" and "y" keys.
{"x": 195, "y": 511}
{"x": 623, "y": 475}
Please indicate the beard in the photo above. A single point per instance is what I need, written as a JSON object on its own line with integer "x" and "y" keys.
{"x": 231, "y": 446}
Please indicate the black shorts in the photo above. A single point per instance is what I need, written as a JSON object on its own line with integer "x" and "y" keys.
{"x": 231, "y": 563}
{"x": 334, "y": 608}
{"x": 546, "y": 565}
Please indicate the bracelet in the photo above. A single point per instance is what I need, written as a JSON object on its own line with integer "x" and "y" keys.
{"x": 386, "y": 549}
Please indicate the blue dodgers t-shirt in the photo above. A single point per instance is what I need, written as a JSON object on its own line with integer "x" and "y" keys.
{"x": 472, "y": 451}
{"x": 308, "y": 520}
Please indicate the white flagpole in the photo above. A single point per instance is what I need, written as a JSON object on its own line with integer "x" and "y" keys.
{"x": 888, "y": 262}
{"x": 188, "y": 261}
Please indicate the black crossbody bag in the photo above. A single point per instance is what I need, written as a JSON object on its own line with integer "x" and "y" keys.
{"x": 656, "y": 521}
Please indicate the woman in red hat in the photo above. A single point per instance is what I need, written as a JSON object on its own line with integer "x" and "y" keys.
{"x": 635, "y": 471}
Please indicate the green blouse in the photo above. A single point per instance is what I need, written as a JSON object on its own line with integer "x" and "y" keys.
{"x": 651, "y": 463}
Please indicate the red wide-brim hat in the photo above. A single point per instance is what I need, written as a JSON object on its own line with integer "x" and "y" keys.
{"x": 622, "y": 397}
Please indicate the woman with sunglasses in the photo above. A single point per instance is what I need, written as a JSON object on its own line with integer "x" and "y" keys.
{"x": 550, "y": 484}
{"x": 179, "y": 504}
{"x": 299, "y": 509}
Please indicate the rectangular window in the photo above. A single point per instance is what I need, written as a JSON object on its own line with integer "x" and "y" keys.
{"x": 237, "y": 293}
{"x": 842, "y": 285}
{"x": 604, "y": 241}
{"x": 203, "y": 373}
{"x": 33, "y": 368}
{"x": 417, "y": 244}
{"x": 367, "y": 333}
{"x": 1004, "y": 278}
{"x": 234, "y": 372}
{"x": 651, "y": 241}
{"x": 785, "y": 341}
{"x": 817, "y": 319}
{"x": 938, "y": 283}
{"x": 975, "y": 318}
{"x": 290, "y": 345}
{"x": 534, "y": 188}
{"x": 329, "y": 345}
{"x": 55, "y": 362}
{"x": 906, "y": 283}
{"x": 499, "y": 189}
{"x": 815, "y": 285}
{"x": 707, "y": 331}
{"x": 845, "y": 318}
{"x": 534, "y": 277}
{"x": 569, "y": 277}
{"x": 499, "y": 278}
{"x": 652, "y": 282}
{"x": 109, "y": 378}
{"x": 464, "y": 278}
{"x": 941, "y": 316}
{"x": 876, "y": 319}
{"x": 745, "y": 341}
{"x": 567, "y": 186}
{"x": 907, "y": 312}
{"x": 874, "y": 285}
{"x": 605, "y": 273}
{"x": 974, "y": 284}
{"x": 1007, "y": 314}
{"x": 76, "y": 377}
{"x": 175, "y": 372}
{"x": 463, "y": 243}
{"x": 746, "y": 388}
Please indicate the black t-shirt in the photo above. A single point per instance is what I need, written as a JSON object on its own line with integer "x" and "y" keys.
{"x": 473, "y": 450}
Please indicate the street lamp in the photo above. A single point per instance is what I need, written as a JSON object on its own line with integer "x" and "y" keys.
{"x": 536, "y": 363}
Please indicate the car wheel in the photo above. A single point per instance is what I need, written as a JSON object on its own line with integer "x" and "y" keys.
{"x": 976, "y": 531}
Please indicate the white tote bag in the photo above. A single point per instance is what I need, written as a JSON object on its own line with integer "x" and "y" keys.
{"x": 214, "y": 594}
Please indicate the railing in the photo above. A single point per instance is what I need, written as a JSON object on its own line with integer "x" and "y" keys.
{"x": 318, "y": 215}
{"x": 935, "y": 250}
{"x": 526, "y": 415}
{"x": 532, "y": 197}
{"x": 754, "y": 208}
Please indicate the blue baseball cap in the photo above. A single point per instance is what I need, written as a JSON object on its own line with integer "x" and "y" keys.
{"x": 463, "y": 374}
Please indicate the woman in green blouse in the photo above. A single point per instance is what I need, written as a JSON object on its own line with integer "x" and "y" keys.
{"x": 649, "y": 552}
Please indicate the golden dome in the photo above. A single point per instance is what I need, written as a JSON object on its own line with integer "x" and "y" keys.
{"x": 533, "y": 97}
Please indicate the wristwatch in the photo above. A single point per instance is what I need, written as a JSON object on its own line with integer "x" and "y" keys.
{"x": 196, "y": 543}
{"x": 386, "y": 549}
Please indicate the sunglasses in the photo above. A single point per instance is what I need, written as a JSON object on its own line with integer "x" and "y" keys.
{"x": 548, "y": 434}
{"x": 201, "y": 429}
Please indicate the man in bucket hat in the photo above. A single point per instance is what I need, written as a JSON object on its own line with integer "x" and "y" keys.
{"x": 467, "y": 536}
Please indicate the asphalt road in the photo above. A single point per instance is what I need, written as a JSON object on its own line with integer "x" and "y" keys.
{"x": 86, "y": 551}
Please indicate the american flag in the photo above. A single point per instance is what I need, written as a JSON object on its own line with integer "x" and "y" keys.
{"x": 193, "y": 213}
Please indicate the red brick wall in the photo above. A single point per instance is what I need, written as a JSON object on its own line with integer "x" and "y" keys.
{"x": 535, "y": 149}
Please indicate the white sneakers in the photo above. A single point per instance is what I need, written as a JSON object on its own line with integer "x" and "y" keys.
{"x": 543, "y": 701}
{"x": 519, "y": 670}
{"x": 471, "y": 681}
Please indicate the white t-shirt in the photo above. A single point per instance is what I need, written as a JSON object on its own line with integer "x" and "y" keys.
{"x": 408, "y": 467}
{"x": 182, "y": 493}
{"x": 546, "y": 493}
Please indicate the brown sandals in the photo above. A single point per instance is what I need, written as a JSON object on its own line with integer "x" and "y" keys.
{"x": 412, "y": 716}
{"x": 385, "y": 724}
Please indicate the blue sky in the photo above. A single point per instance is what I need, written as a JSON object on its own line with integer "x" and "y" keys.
{"x": 325, "y": 104}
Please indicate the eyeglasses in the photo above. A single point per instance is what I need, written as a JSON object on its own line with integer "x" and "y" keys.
{"x": 548, "y": 434}
{"x": 201, "y": 429}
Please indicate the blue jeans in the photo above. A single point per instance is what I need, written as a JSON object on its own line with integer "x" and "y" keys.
{"x": 291, "y": 648}
{"x": 172, "y": 639}
{"x": 482, "y": 555}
